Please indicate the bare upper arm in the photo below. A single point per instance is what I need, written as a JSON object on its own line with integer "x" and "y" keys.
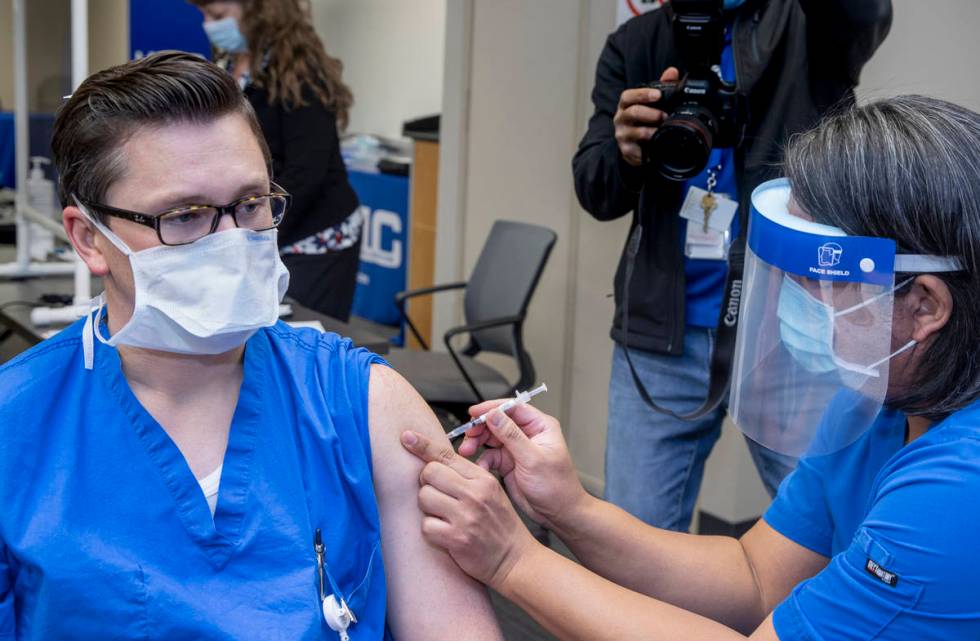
{"x": 429, "y": 597}
{"x": 778, "y": 564}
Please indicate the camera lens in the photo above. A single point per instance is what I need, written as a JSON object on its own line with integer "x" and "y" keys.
{"x": 681, "y": 146}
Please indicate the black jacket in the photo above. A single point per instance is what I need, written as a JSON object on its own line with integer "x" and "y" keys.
{"x": 794, "y": 59}
{"x": 306, "y": 162}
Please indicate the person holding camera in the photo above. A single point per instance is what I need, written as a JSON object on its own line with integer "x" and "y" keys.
{"x": 694, "y": 103}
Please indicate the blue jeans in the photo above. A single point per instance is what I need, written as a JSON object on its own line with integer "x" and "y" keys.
{"x": 654, "y": 462}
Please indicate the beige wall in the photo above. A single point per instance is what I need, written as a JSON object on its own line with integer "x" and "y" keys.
{"x": 47, "y": 52}
{"x": 6, "y": 56}
{"x": 48, "y": 57}
{"x": 523, "y": 97}
{"x": 524, "y": 101}
{"x": 392, "y": 54}
{"x": 108, "y": 33}
{"x": 525, "y": 93}
{"x": 932, "y": 49}
{"x": 49, "y": 41}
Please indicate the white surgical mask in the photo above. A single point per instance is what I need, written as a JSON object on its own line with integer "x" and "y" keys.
{"x": 206, "y": 297}
{"x": 806, "y": 327}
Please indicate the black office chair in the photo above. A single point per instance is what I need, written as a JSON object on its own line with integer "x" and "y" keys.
{"x": 494, "y": 306}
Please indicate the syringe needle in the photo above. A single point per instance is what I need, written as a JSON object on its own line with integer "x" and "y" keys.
{"x": 521, "y": 398}
{"x": 459, "y": 431}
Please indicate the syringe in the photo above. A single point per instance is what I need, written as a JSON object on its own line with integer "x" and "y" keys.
{"x": 521, "y": 398}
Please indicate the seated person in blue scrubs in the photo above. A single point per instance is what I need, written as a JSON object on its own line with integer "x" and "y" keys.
{"x": 875, "y": 535}
{"x": 180, "y": 464}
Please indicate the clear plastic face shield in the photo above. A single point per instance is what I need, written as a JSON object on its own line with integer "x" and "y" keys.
{"x": 815, "y": 337}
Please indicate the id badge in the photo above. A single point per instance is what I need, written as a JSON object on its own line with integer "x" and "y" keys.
{"x": 709, "y": 218}
{"x": 710, "y": 245}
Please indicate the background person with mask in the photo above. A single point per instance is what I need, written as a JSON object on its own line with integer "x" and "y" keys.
{"x": 873, "y": 536}
{"x": 793, "y": 60}
{"x": 180, "y": 464}
{"x": 301, "y": 101}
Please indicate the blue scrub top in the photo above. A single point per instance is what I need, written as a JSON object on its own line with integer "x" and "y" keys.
{"x": 902, "y": 526}
{"x": 106, "y": 534}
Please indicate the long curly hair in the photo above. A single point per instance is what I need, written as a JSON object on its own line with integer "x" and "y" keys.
{"x": 288, "y": 54}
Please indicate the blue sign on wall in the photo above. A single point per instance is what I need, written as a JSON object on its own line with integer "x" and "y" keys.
{"x": 170, "y": 24}
{"x": 39, "y": 128}
{"x": 384, "y": 245}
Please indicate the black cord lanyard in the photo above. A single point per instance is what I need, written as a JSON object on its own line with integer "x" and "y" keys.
{"x": 721, "y": 358}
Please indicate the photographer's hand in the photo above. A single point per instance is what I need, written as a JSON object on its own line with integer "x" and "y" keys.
{"x": 636, "y": 121}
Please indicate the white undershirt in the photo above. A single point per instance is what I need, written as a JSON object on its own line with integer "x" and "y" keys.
{"x": 209, "y": 485}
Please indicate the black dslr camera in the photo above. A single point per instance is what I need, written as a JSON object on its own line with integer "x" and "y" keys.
{"x": 703, "y": 110}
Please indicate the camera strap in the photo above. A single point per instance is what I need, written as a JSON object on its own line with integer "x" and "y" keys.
{"x": 724, "y": 350}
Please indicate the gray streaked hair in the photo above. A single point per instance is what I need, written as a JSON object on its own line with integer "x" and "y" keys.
{"x": 907, "y": 168}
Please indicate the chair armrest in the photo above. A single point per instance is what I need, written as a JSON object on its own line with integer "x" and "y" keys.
{"x": 401, "y": 297}
{"x": 475, "y": 327}
{"x": 467, "y": 329}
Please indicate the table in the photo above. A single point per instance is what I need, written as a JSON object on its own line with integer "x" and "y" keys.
{"x": 17, "y": 318}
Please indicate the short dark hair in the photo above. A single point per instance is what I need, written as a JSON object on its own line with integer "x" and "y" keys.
{"x": 110, "y": 106}
{"x": 907, "y": 168}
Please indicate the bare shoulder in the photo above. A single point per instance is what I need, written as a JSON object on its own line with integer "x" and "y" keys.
{"x": 394, "y": 406}
{"x": 388, "y": 391}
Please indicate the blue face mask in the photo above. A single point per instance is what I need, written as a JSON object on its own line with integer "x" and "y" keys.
{"x": 733, "y": 4}
{"x": 806, "y": 327}
{"x": 224, "y": 34}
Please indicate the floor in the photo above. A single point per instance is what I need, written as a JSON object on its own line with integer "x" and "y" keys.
{"x": 514, "y": 622}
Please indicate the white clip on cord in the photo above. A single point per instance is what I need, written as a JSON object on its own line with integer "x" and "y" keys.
{"x": 338, "y": 616}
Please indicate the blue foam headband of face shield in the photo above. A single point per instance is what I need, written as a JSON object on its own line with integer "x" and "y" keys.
{"x": 823, "y": 252}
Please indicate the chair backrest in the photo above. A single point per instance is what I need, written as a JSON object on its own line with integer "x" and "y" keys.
{"x": 503, "y": 281}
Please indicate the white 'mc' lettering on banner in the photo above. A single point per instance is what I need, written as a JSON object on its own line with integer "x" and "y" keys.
{"x": 372, "y": 241}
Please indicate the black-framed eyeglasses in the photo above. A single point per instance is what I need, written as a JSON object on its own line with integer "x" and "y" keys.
{"x": 183, "y": 225}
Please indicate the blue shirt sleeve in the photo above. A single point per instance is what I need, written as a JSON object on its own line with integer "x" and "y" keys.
{"x": 800, "y": 512}
{"x": 910, "y": 570}
{"x": 347, "y": 383}
{"x": 6, "y": 597}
